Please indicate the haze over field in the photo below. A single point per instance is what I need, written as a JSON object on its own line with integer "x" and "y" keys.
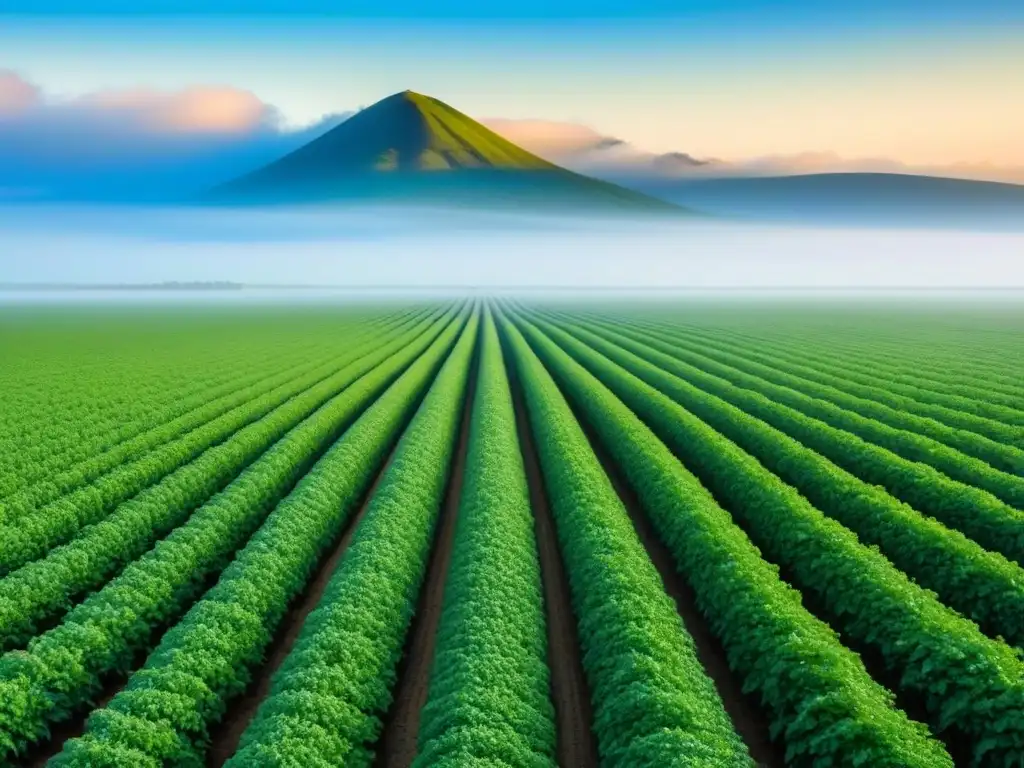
{"x": 423, "y": 247}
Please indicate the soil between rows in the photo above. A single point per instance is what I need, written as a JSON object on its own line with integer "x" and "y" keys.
{"x": 41, "y": 752}
{"x": 225, "y": 736}
{"x": 576, "y": 743}
{"x": 748, "y": 717}
{"x": 60, "y": 733}
{"x": 397, "y": 745}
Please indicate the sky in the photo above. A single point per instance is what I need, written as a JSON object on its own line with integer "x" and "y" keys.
{"x": 925, "y": 84}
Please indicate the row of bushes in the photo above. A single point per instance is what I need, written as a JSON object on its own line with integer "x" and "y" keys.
{"x": 963, "y": 678}
{"x": 36, "y": 533}
{"x": 991, "y": 522}
{"x": 163, "y": 715}
{"x": 63, "y": 668}
{"x": 991, "y": 441}
{"x": 653, "y": 703}
{"x": 909, "y": 445}
{"x": 821, "y": 702}
{"x": 97, "y": 414}
{"x": 327, "y": 699}
{"x": 168, "y": 424}
{"x": 980, "y": 584}
{"x": 488, "y": 701}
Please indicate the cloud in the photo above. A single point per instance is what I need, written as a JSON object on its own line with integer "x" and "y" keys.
{"x": 677, "y": 160}
{"x": 549, "y": 139}
{"x": 147, "y": 142}
{"x": 198, "y": 110}
{"x": 16, "y": 93}
{"x": 586, "y": 150}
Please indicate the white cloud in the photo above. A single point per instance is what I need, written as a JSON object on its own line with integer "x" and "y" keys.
{"x": 201, "y": 109}
{"x": 546, "y": 137}
{"x": 16, "y": 93}
{"x": 127, "y": 122}
{"x": 118, "y": 141}
{"x": 586, "y": 150}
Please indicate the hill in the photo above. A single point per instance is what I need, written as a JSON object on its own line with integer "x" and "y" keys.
{"x": 876, "y": 199}
{"x": 413, "y": 148}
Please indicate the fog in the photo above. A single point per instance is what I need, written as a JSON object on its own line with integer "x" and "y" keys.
{"x": 423, "y": 248}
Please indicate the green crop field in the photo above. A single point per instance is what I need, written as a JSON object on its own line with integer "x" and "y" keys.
{"x": 685, "y": 532}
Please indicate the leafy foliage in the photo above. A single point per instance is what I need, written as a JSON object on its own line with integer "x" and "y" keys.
{"x": 991, "y": 522}
{"x": 959, "y": 391}
{"x": 980, "y": 584}
{"x": 966, "y": 679}
{"x": 650, "y": 693}
{"x": 169, "y": 424}
{"x": 822, "y": 702}
{"x": 913, "y": 438}
{"x": 899, "y": 405}
{"x": 35, "y": 533}
{"x": 488, "y": 701}
{"x": 63, "y": 669}
{"x": 38, "y": 591}
{"x": 873, "y": 456}
{"x": 326, "y": 701}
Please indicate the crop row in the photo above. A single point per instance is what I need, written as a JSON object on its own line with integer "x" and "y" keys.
{"x": 863, "y": 375}
{"x": 38, "y": 591}
{"x": 939, "y": 377}
{"x": 327, "y": 699}
{"x": 912, "y": 447}
{"x": 93, "y": 419}
{"x": 889, "y": 347}
{"x": 35, "y": 533}
{"x": 58, "y": 483}
{"x": 622, "y": 609}
{"x": 991, "y": 441}
{"x": 164, "y": 713}
{"x": 821, "y": 701}
{"x": 988, "y": 520}
{"x": 965, "y": 679}
{"x": 946, "y": 363}
{"x": 61, "y": 670}
{"x": 488, "y": 700}
{"x": 982, "y": 585}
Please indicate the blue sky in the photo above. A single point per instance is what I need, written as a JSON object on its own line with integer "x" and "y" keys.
{"x": 913, "y": 10}
{"x": 921, "y": 82}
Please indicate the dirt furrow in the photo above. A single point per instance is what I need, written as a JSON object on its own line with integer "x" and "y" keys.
{"x": 226, "y": 735}
{"x": 396, "y": 747}
{"x": 60, "y": 733}
{"x": 748, "y": 717}
{"x": 576, "y": 744}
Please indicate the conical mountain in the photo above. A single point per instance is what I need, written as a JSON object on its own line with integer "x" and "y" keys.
{"x": 414, "y": 148}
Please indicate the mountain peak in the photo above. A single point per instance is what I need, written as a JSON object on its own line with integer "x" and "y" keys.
{"x": 410, "y": 145}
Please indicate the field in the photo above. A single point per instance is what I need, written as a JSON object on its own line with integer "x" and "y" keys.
{"x": 508, "y": 533}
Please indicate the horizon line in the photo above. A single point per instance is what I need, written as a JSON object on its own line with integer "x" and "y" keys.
{"x": 227, "y": 285}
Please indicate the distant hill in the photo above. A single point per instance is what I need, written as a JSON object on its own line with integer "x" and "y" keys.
{"x": 876, "y": 199}
{"x": 417, "y": 149}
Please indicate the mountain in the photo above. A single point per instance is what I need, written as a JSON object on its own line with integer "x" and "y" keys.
{"x": 855, "y": 199}
{"x": 417, "y": 149}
